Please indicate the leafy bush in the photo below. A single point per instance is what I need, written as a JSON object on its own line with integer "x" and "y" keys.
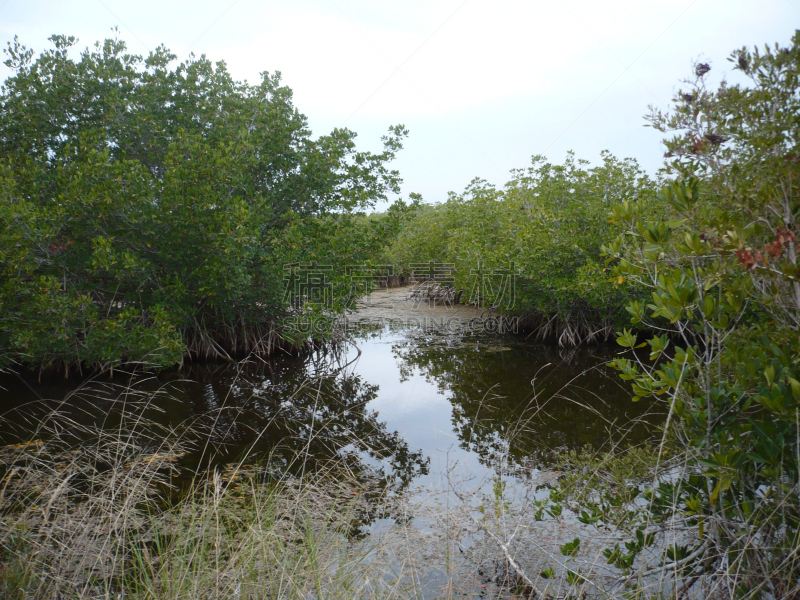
{"x": 145, "y": 210}
{"x": 722, "y": 271}
{"x": 545, "y": 229}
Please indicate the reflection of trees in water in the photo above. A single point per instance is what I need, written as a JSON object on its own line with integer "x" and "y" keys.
{"x": 516, "y": 403}
{"x": 298, "y": 415}
{"x": 285, "y": 411}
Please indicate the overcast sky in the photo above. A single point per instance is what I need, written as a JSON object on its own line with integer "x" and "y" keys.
{"x": 482, "y": 85}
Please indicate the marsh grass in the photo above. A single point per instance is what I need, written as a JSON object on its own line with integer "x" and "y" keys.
{"x": 107, "y": 508}
{"x": 104, "y": 508}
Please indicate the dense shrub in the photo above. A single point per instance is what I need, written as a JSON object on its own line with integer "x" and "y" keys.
{"x": 145, "y": 209}
{"x": 722, "y": 270}
{"x": 533, "y": 248}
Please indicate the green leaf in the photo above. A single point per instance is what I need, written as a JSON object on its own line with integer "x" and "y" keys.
{"x": 571, "y": 548}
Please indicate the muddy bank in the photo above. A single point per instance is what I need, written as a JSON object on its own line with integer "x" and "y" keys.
{"x": 409, "y": 309}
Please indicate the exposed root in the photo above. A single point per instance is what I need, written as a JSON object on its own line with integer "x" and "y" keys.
{"x": 570, "y": 330}
{"x": 432, "y": 292}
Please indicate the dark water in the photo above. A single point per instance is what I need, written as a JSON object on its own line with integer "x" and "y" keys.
{"x": 409, "y": 408}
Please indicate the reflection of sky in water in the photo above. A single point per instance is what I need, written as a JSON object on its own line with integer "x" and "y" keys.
{"x": 465, "y": 402}
{"x": 472, "y": 400}
{"x": 424, "y": 412}
{"x": 415, "y": 407}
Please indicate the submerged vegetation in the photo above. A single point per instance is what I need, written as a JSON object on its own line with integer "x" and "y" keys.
{"x": 148, "y": 213}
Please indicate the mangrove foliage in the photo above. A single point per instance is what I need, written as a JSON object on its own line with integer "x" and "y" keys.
{"x": 148, "y": 211}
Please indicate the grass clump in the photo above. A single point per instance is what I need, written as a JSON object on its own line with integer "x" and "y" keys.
{"x": 92, "y": 511}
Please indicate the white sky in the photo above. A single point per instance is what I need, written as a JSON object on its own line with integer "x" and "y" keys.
{"x": 482, "y": 85}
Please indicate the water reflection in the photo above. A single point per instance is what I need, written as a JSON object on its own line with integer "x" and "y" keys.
{"x": 299, "y": 416}
{"x": 518, "y": 404}
{"x": 502, "y": 401}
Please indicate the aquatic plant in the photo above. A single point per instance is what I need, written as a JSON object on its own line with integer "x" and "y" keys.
{"x": 722, "y": 269}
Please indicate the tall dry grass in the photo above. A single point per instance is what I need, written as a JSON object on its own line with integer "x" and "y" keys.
{"x": 107, "y": 509}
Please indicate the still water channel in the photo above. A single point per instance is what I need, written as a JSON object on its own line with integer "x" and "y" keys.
{"x": 401, "y": 404}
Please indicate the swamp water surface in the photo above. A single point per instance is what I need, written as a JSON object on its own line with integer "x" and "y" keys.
{"x": 414, "y": 397}
{"x": 419, "y": 400}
